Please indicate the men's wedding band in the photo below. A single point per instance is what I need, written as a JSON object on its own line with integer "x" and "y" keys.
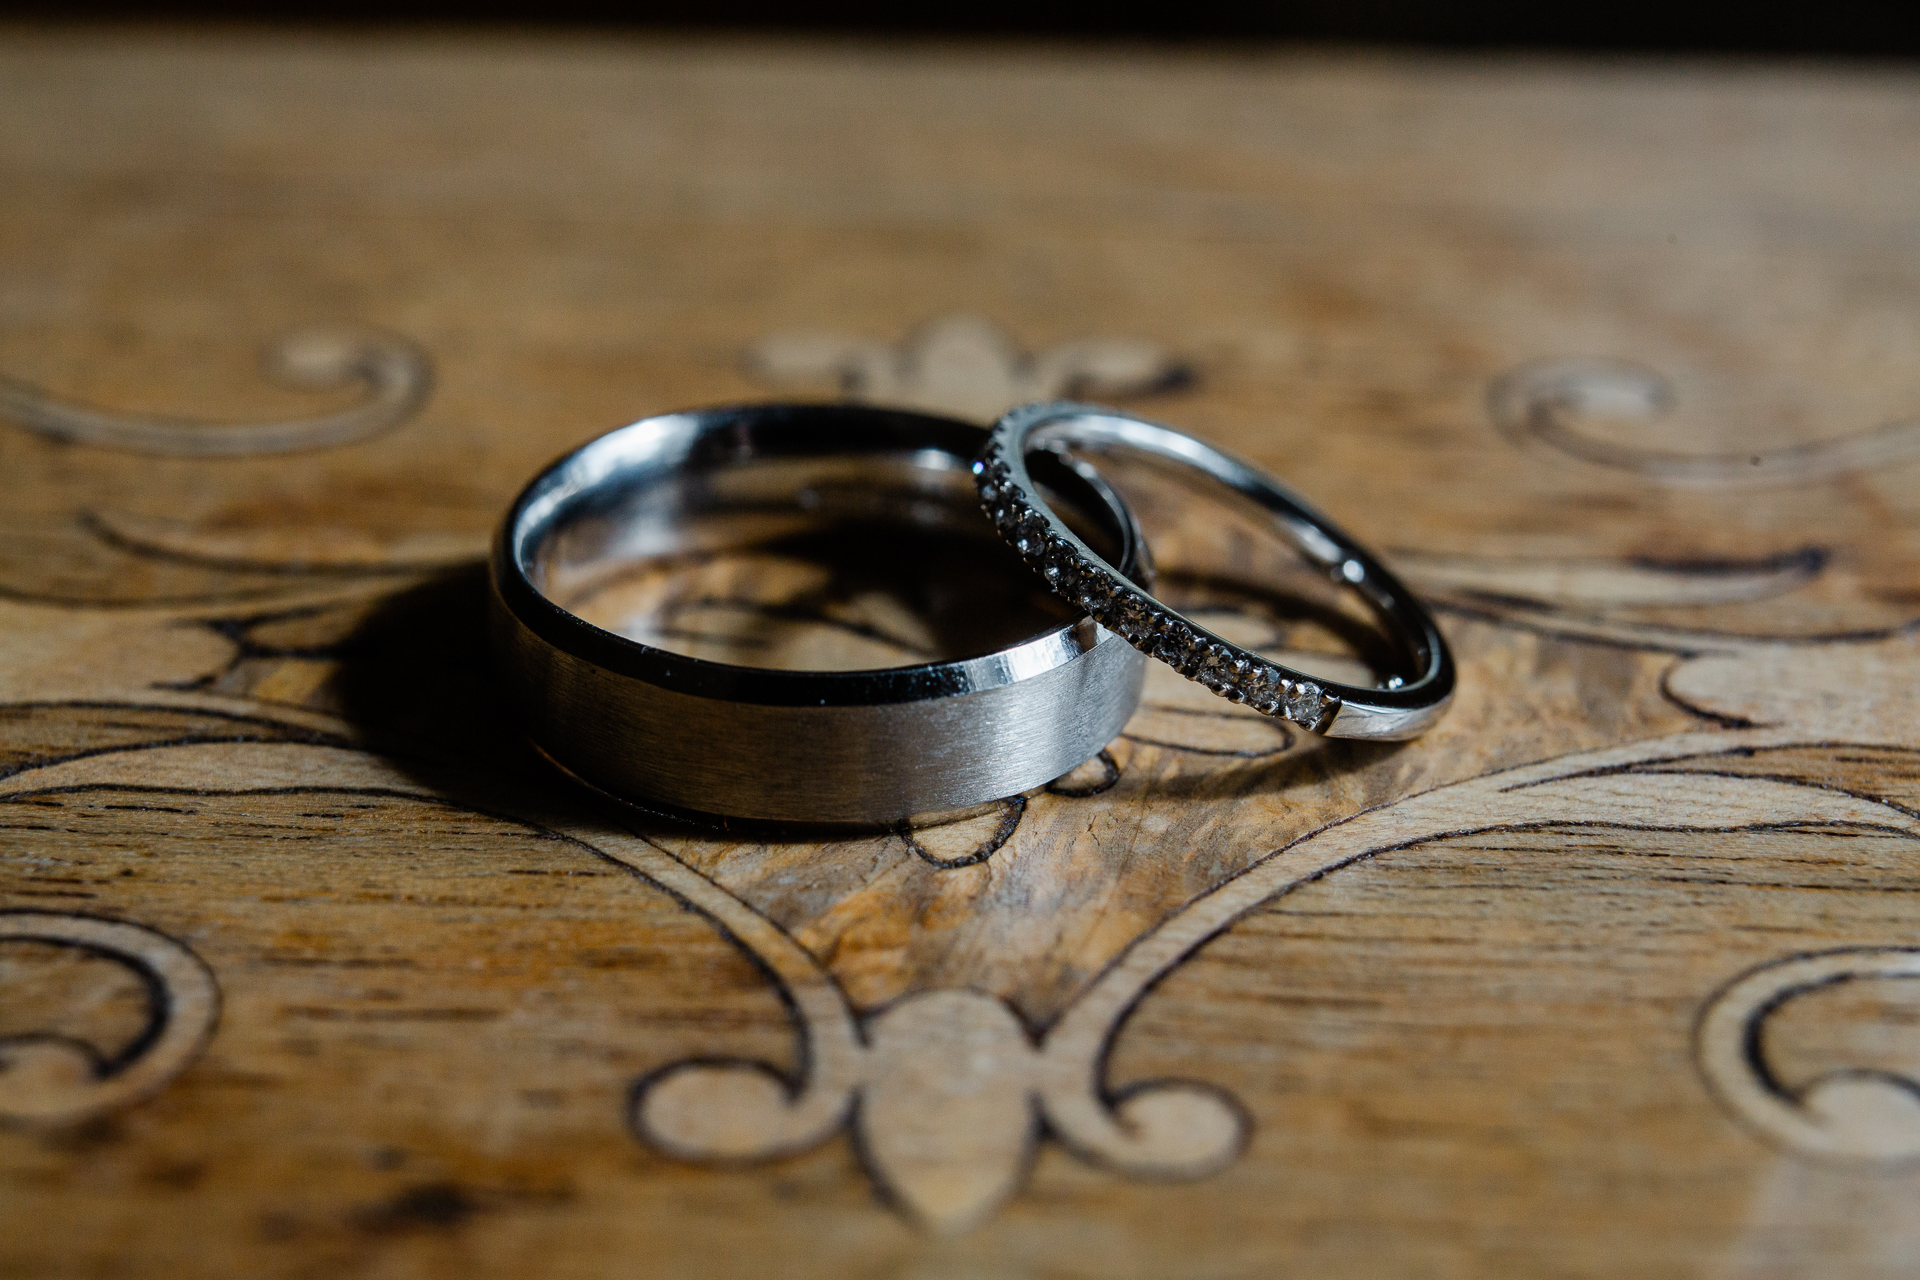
{"x": 1078, "y": 574}
{"x": 875, "y": 747}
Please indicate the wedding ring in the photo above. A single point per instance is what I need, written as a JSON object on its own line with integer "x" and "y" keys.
{"x": 871, "y": 747}
{"x": 1403, "y": 708}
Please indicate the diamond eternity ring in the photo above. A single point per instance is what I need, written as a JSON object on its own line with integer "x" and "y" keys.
{"x": 699, "y": 738}
{"x": 1401, "y": 708}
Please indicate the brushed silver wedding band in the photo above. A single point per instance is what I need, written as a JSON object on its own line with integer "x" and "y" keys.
{"x": 861, "y": 748}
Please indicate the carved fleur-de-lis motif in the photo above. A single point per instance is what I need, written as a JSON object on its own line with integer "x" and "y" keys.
{"x": 964, "y": 365}
{"x": 946, "y": 1093}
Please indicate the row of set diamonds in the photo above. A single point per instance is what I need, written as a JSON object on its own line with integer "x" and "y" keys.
{"x": 1142, "y": 621}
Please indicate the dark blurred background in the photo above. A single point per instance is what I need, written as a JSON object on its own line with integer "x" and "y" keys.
{"x": 1854, "y": 30}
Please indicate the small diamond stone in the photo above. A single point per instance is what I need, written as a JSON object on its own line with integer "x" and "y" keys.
{"x": 1095, "y": 590}
{"x": 1191, "y": 648}
{"x": 1129, "y": 616}
{"x": 1259, "y": 684}
{"x": 1236, "y": 676}
{"x": 1303, "y": 703}
{"x": 1210, "y": 665}
{"x": 1173, "y": 645}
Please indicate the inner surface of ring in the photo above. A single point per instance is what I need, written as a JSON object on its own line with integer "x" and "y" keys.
{"x": 843, "y": 562}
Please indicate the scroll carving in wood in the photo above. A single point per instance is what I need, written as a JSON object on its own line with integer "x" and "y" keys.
{"x": 1848, "y": 1114}
{"x": 47, "y": 1078}
{"x": 1541, "y": 403}
{"x": 948, "y": 1090}
{"x": 1612, "y": 973}
{"x": 394, "y": 374}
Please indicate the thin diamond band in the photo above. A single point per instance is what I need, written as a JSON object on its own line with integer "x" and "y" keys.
{"x": 1079, "y": 576}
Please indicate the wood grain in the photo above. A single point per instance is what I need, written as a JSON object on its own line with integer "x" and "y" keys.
{"x": 1611, "y": 974}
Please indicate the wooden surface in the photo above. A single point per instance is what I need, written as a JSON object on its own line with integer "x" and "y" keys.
{"x": 307, "y": 970}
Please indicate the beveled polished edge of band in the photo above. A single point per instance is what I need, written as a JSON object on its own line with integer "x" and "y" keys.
{"x": 668, "y": 441}
{"x": 1086, "y": 580}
